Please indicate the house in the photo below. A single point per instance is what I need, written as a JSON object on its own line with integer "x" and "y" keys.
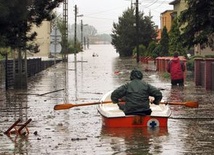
{"x": 166, "y": 20}
{"x": 179, "y": 6}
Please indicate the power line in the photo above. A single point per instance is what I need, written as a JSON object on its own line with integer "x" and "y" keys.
{"x": 97, "y": 17}
{"x": 104, "y": 11}
{"x": 151, "y": 4}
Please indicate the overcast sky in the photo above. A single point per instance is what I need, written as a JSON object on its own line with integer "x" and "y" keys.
{"x": 102, "y": 13}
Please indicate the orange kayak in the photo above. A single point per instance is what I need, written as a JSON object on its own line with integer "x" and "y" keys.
{"x": 112, "y": 116}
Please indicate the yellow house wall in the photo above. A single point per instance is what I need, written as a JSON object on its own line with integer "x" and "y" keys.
{"x": 43, "y": 38}
{"x": 166, "y": 20}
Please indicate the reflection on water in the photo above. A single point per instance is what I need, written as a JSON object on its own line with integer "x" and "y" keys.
{"x": 15, "y": 106}
{"x": 18, "y": 145}
{"x": 135, "y": 140}
{"x": 189, "y": 129}
{"x": 176, "y": 94}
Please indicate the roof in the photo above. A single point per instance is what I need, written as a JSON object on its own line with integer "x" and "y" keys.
{"x": 174, "y": 2}
{"x": 167, "y": 11}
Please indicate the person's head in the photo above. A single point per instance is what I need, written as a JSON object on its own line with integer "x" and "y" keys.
{"x": 136, "y": 74}
{"x": 176, "y": 54}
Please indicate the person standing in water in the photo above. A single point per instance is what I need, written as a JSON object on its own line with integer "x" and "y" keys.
{"x": 176, "y": 69}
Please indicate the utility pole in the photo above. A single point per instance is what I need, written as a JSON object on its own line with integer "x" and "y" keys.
{"x": 75, "y": 30}
{"x": 65, "y": 47}
{"x": 75, "y": 48}
{"x": 137, "y": 32}
{"x": 81, "y": 34}
{"x": 65, "y": 32}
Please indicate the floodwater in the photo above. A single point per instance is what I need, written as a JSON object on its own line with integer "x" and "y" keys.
{"x": 79, "y": 131}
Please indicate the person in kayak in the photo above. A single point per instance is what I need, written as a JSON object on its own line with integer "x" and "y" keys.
{"x": 176, "y": 69}
{"x": 136, "y": 95}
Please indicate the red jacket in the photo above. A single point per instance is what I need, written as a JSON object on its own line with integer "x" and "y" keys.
{"x": 176, "y": 69}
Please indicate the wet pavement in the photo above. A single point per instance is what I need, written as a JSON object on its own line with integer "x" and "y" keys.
{"x": 79, "y": 131}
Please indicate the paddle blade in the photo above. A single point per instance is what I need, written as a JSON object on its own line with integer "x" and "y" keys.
{"x": 63, "y": 106}
{"x": 191, "y": 104}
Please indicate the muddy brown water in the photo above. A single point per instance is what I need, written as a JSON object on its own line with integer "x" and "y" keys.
{"x": 79, "y": 131}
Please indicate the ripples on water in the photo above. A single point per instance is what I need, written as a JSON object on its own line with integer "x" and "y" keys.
{"x": 79, "y": 131}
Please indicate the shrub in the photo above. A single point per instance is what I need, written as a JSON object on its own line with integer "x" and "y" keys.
{"x": 190, "y": 62}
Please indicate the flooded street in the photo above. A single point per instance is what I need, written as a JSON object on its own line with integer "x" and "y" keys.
{"x": 79, "y": 131}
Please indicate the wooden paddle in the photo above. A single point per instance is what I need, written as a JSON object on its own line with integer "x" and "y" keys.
{"x": 191, "y": 104}
{"x": 69, "y": 105}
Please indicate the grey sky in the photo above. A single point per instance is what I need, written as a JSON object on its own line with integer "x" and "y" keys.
{"x": 102, "y": 13}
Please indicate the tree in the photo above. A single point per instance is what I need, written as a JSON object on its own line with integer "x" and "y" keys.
{"x": 162, "y": 49}
{"x": 151, "y": 48}
{"x": 175, "y": 41}
{"x": 198, "y": 23}
{"x": 157, "y": 51}
{"x": 164, "y": 42}
{"x": 124, "y": 32}
{"x": 142, "y": 50}
{"x": 61, "y": 25}
{"x": 148, "y": 31}
{"x": 15, "y": 29}
{"x": 88, "y": 30}
{"x": 17, "y": 18}
{"x": 106, "y": 38}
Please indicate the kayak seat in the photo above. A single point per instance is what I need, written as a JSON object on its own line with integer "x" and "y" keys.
{"x": 141, "y": 113}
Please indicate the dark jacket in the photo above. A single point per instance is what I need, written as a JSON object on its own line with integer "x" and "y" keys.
{"x": 136, "y": 95}
{"x": 176, "y": 69}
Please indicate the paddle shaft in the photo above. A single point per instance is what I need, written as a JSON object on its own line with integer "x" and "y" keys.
{"x": 69, "y": 105}
{"x": 191, "y": 104}
{"x": 92, "y": 103}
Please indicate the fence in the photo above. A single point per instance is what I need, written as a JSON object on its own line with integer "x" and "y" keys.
{"x": 34, "y": 66}
{"x": 162, "y": 62}
{"x": 204, "y": 73}
{"x": 203, "y": 70}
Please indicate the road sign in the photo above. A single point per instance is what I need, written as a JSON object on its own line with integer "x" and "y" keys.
{"x": 55, "y": 39}
{"x": 55, "y": 48}
{"x": 55, "y": 36}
